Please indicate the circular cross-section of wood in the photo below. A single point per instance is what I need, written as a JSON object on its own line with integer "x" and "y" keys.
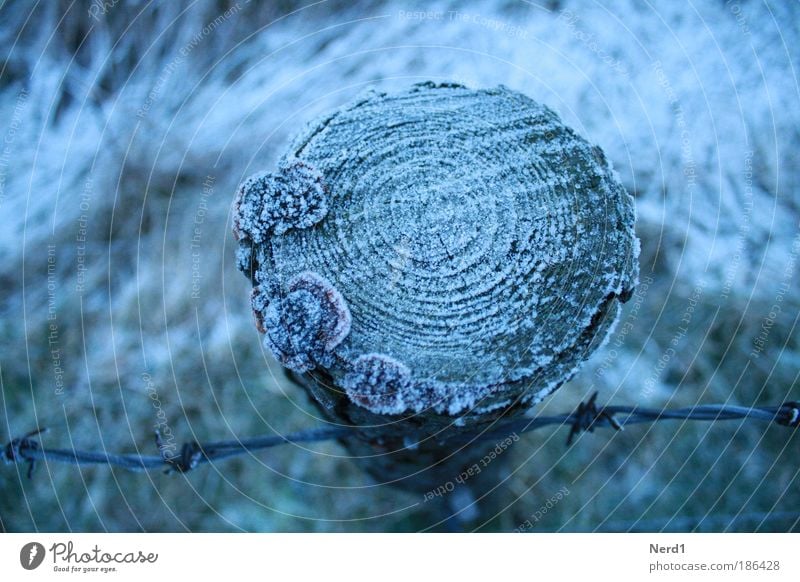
{"x": 441, "y": 249}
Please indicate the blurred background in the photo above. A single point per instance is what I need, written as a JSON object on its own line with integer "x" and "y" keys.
{"x": 126, "y": 127}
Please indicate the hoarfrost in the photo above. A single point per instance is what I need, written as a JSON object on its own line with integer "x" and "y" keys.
{"x": 379, "y": 383}
{"x": 482, "y": 245}
{"x": 293, "y": 197}
{"x": 303, "y": 327}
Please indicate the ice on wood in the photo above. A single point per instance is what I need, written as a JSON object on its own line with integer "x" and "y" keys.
{"x": 481, "y": 246}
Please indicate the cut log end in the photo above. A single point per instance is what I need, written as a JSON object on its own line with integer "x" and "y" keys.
{"x": 439, "y": 251}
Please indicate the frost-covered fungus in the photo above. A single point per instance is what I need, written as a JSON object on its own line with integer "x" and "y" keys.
{"x": 305, "y": 325}
{"x": 292, "y": 197}
{"x": 481, "y": 246}
{"x": 378, "y": 383}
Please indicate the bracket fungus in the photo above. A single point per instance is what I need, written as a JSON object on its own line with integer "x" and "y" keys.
{"x": 435, "y": 253}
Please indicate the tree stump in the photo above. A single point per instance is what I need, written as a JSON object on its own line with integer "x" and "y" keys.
{"x": 431, "y": 261}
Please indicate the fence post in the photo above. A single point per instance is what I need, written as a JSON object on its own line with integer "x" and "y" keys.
{"x": 431, "y": 261}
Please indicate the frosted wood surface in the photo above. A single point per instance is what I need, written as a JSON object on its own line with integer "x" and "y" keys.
{"x": 439, "y": 249}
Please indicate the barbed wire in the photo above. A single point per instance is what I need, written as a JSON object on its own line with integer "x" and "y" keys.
{"x": 585, "y": 418}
